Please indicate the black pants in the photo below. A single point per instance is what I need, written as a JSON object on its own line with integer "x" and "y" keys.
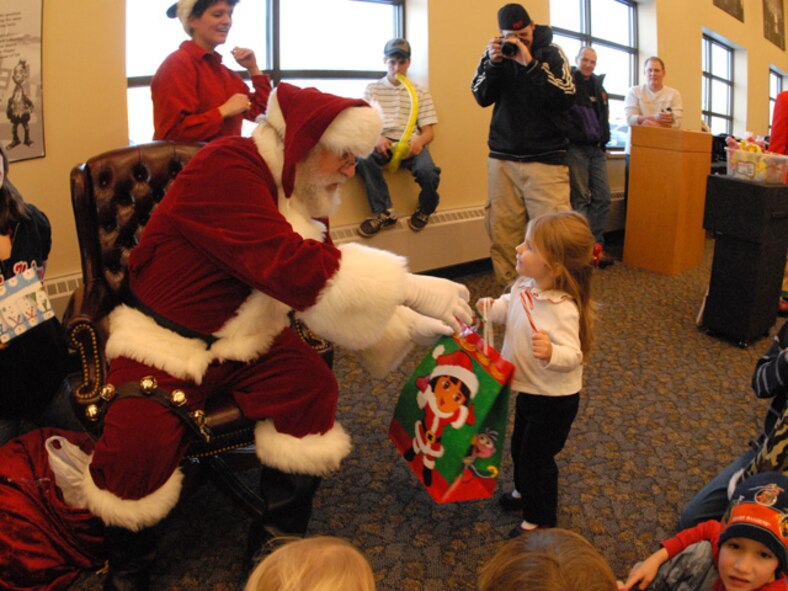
{"x": 541, "y": 427}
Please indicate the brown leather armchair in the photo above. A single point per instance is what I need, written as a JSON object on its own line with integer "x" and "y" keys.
{"x": 113, "y": 196}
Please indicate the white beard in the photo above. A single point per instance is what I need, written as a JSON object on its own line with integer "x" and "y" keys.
{"x": 311, "y": 192}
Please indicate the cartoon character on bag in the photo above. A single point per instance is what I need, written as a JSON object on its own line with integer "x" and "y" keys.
{"x": 482, "y": 448}
{"x": 445, "y": 396}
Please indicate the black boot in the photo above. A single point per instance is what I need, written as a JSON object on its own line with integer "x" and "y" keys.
{"x": 131, "y": 556}
{"x": 289, "y": 499}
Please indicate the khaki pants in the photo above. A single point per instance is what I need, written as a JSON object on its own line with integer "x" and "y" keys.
{"x": 518, "y": 192}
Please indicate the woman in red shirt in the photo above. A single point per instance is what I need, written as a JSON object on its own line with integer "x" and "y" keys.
{"x": 196, "y": 97}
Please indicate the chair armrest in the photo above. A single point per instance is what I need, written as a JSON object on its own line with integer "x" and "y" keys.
{"x": 85, "y": 326}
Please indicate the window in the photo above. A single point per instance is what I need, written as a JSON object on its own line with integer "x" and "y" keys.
{"x": 775, "y": 88}
{"x": 342, "y": 62}
{"x": 610, "y": 27}
{"x": 717, "y": 85}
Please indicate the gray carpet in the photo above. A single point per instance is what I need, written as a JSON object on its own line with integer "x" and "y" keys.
{"x": 665, "y": 406}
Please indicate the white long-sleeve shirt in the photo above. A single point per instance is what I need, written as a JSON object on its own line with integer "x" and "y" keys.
{"x": 556, "y": 313}
{"x": 642, "y": 101}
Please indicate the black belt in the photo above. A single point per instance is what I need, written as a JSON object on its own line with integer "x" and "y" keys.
{"x": 164, "y": 322}
{"x": 174, "y": 401}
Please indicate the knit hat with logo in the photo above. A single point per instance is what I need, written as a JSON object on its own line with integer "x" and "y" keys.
{"x": 759, "y": 511}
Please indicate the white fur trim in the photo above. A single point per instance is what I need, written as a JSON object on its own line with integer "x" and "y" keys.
{"x": 355, "y": 130}
{"x": 355, "y": 307}
{"x": 270, "y": 145}
{"x": 185, "y": 8}
{"x": 71, "y": 467}
{"x": 134, "y": 335}
{"x": 244, "y": 337}
{"x": 133, "y": 514}
{"x": 252, "y": 330}
{"x": 314, "y": 454}
{"x": 273, "y": 114}
{"x": 294, "y": 212}
{"x": 386, "y": 355}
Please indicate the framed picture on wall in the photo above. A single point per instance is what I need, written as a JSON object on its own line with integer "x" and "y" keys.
{"x": 735, "y": 8}
{"x": 773, "y": 22}
{"x": 21, "y": 100}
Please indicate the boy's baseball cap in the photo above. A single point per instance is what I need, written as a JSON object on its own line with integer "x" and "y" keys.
{"x": 759, "y": 511}
{"x": 397, "y": 46}
{"x": 513, "y": 17}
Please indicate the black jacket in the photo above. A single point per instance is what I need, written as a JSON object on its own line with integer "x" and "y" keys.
{"x": 531, "y": 102}
{"x": 588, "y": 117}
{"x": 33, "y": 364}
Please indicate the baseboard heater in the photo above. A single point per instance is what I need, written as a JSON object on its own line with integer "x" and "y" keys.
{"x": 453, "y": 237}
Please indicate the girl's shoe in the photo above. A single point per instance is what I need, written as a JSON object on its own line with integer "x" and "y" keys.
{"x": 524, "y": 528}
{"x": 510, "y": 502}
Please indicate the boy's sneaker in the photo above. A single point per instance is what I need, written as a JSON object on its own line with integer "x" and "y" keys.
{"x": 371, "y": 226}
{"x": 418, "y": 220}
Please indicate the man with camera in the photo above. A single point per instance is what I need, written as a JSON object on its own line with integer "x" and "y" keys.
{"x": 528, "y": 80}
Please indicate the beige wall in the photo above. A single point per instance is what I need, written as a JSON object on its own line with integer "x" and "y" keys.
{"x": 85, "y": 98}
{"x": 84, "y": 110}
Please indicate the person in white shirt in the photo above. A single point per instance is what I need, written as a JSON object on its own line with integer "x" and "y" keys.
{"x": 653, "y": 104}
{"x": 549, "y": 317}
{"x": 394, "y": 100}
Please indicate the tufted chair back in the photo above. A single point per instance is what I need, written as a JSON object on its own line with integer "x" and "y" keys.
{"x": 113, "y": 196}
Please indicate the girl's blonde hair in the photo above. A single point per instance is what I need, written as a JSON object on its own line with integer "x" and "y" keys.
{"x": 320, "y": 563}
{"x": 564, "y": 241}
{"x": 547, "y": 560}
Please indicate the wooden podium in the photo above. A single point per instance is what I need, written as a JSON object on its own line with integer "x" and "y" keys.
{"x": 665, "y": 199}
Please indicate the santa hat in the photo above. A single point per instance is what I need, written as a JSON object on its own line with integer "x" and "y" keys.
{"x": 304, "y": 117}
{"x": 457, "y": 365}
{"x": 183, "y": 10}
{"x": 759, "y": 511}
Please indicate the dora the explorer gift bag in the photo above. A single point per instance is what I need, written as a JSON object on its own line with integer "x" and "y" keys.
{"x": 450, "y": 419}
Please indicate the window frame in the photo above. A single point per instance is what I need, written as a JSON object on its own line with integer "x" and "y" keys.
{"x": 774, "y": 73}
{"x": 586, "y": 38}
{"x": 708, "y": 78}
{"x": 273, "y": 68}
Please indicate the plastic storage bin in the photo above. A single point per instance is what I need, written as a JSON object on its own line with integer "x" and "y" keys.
{"x": 757, "y": 166}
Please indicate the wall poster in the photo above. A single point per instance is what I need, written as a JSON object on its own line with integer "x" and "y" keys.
{"x": 735, "y": 8}
{"x": 773, "y": 24}
{"x": 21, "y": 99}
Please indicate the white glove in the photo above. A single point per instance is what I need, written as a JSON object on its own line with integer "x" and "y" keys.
{"x": 438, "y": 298}
{"x": 426, "y": 331}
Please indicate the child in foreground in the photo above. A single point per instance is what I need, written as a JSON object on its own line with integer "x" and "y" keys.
{"x": 748, "y": 547}
{"x": 547, "y": 560}
{"x": 320, "y": 563}
{"x": 549, "y": 331}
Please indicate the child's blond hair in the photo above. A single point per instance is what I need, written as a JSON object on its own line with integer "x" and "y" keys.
{"x": 320, "y": 563}
{"x": 564, "y": 240}
{"x": 547, "y": 560}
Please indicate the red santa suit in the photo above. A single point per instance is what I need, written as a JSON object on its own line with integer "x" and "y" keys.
{"x": 229, "y": 254}
{"x": 428, "y": 431}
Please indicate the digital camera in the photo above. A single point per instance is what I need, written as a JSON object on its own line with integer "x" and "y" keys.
{"x": 509, "y": 48}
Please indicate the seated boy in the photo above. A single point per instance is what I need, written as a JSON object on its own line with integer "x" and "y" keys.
{"x": 748, "y": 547}
{"x": 394, "y": 100}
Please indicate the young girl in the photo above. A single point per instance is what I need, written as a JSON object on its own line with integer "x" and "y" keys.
{"x": 321, "y": 563}
{"x": 547, "y": 560}
{"x": 32, "y": 365}
{"x": 548, "y": 316}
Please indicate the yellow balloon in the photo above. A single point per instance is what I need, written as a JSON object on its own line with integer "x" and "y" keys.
{"x": 400, "y": 149}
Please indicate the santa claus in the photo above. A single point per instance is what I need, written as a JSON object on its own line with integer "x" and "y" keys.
{"x": 238, "y": 243}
